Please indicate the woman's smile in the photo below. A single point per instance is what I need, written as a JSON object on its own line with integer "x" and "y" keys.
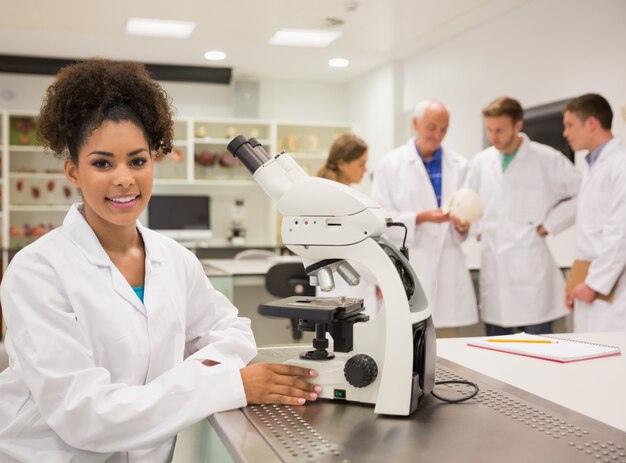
{"x": 124, "y": 202}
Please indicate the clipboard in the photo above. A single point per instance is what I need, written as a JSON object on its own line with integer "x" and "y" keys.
{"x": 577, "y": 275}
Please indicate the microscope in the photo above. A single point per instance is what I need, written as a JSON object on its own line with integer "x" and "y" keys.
{"x": 387, "y": 360}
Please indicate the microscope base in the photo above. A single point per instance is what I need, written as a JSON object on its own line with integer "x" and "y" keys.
{"x": 332, "y": 380}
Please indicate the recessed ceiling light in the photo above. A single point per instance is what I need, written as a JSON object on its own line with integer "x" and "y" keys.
{"x": 338, "y": 63}
{"x": 215, "y": 55}
{"x": 160, "y": 28}
{"x": 304, "y": 37}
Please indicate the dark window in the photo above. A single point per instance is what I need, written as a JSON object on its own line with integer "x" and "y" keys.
{"x": 544, "y": 124}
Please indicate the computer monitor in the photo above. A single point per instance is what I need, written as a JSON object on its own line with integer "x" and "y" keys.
{"x": 184, "y": 218}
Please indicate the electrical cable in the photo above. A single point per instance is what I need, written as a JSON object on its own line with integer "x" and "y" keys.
{"x": 462, "y": 399}
{"x": 400, "y": 224}
{"x": 404, "y": 250}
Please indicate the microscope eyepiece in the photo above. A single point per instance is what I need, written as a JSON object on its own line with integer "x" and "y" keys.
{"x": 254, "y": 142}
{"x": 249, "y": 152}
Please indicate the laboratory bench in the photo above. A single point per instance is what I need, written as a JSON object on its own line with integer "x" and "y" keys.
{"x": 242, "y": 281}
{"x": 527, "y": 409}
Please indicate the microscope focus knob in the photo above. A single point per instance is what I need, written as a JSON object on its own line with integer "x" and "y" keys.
{"x": 360, "y": 370}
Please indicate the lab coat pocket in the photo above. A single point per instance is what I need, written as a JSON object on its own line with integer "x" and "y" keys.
{"x": 592, "y": 213}
{"x": 526, "y": 265}
{"x": 179, "y": 348}
{"x": 526, "y": 206}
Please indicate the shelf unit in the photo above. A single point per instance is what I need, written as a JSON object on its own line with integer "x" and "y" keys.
{"x": 209, "y": 137}
{"x": 308, "y": 142}
{"x": 36, "y": 195}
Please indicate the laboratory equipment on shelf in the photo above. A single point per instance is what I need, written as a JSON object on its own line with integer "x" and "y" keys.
{"x": 387, "y": 360}
{"x": 237, "y": 231}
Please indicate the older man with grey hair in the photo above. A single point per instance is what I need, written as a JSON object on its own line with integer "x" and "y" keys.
{"x": 412, "y": 183}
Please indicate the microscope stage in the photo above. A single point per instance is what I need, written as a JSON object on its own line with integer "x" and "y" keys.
{"x": 322, "y": 309}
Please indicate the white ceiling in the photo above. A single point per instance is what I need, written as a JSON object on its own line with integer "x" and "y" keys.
{"x": 374, "y": 33}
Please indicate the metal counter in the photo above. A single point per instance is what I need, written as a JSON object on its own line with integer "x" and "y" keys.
{"x": 501, "y": 424}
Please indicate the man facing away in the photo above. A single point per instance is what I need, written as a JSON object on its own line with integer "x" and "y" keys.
{"x": 601, "y": 221}
{"x": 529, "y": 191}
{"x": 412, "y": 182}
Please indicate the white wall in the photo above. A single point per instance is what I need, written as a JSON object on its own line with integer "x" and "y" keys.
{"x": 302, "y": 101}
{"x": 280, "y": 100}
{"x": 25, "y": 92}
{"x": 373, "y": 112}
{"x": 201, "y": 100}
{"x": 22, "y": 92}
{"x": 543, "y": 51}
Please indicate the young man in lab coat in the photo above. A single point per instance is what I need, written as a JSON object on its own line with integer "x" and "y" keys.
{"x": 601, "y": 221}
{"x": 412, "y": 182}
{"x": 529, "y": 191}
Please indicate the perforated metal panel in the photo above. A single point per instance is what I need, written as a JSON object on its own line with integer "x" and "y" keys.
{"x": 290, "y": 435}
{"x": 547, "y": 425}
{"x": 501, "y": 424}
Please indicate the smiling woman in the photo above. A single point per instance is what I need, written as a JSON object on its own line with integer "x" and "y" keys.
{"x": 114, "y": 176}
{"x": 114, "y": 121}
{"x": 115, "y": 336}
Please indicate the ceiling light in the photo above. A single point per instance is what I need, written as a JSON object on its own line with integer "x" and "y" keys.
{"x": 304, "y": 37}
{"x": 215, "y": 55}
{"x": 338, "y": 63}
{"x": 160, "y": 28}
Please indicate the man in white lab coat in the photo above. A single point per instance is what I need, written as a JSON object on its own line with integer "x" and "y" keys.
{"x": 529, "y": 191}
{"x": 412, "y": 182}
{"x": 601, "y": 222}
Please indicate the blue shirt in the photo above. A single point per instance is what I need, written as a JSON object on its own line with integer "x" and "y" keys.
{"x": 592, "y": 157}
{"x": 138, "y": 291}
{"x": 433, "y": 167}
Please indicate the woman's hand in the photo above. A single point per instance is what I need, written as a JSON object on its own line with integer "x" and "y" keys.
{"x": 272, "y": 383}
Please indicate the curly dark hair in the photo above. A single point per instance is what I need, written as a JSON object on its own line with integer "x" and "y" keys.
{"x": 86, "y": 94}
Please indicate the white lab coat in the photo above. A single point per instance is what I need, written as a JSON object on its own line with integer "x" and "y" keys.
{"x": 97, "y": 376}
{"x": 401, "y": 185}
{"x": 520, "y": 283}
{"x": 601, "y": 238}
